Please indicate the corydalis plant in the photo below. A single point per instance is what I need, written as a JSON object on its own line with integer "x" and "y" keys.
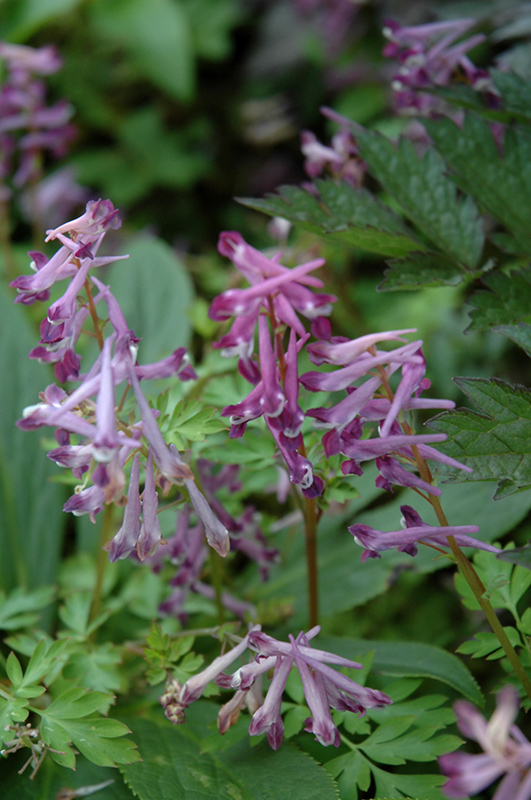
{"x": 97, "y": 437}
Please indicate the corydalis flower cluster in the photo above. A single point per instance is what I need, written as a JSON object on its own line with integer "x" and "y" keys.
{"x": 28, "y": 126}
{"x": 272, "y": 304}
{"x": 324, "y": 687}
{"x": 371, "y": 423}
{"x": 105, "y": 438}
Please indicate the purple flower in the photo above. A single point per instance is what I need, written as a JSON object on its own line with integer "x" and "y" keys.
{"x": 194, "y": 687}
{"x": 506, "y": 751}
{"x": 405, "y": 541}
{"x": 127, "y": 537}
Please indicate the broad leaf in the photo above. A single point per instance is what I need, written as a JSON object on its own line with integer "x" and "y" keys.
{"x": 175, "y": 766}
{"x": 22, "y": 18}
{"x": 427, "y": 196}
{"x": 409, "y": 659}
{"x": 154, "y": 292}
{"x": 32, "y": 532}
{"x": 342, "y": 212}
{"x": 500, "y": 184}
{"x": 157, "y": 39}
{"x": 495, "y": 440}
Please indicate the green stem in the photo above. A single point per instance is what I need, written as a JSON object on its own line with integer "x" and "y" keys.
{"x": 476, "y": 584}
{"x": 101, "y": 562}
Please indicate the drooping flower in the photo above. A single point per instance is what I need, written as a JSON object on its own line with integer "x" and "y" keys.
{"x": 416, "y": 531}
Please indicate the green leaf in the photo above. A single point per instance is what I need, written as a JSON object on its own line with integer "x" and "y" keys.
{"x": 515, "y": 92}
{"x": 174, "y": 766}
{"x": 427, "y": 196}
{"x": 352, "y": 772}
{"x": 421, "y": 269}
{"x": 500, "y": 184}
{"x": 423, "y": 787}
{"x": 211, "y": 22}
{"x": 496, "y": 441}
{"x": 390, "y": 744}
{"x": 50, "y": 780}
{"x": 487, "y": 645}
{"x": 22, "y": 18}
{"x": 354, "y": 216}
{"x": 75, "y": 703}
{"x": 19, "y": 608}
{"x": 14, "y": 670}
{"x": 410, "y": 659}
{"x": 96, "y": 668}
{"x": 32, "y": 532}
{"x": 507, "y": 301}
{"x": 68, "y": 721}
{"x": 157, "y": 39}
{"x": 11, "y": 711}
{"x": 520, "y": 334}
{"x": 154, "y": 292}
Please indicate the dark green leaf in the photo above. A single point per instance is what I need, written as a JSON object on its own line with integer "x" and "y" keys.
{"x": 427, "y": 196}
{"x": 520, "y": 334}
{"x": 174, "y": 766}
{"x": 501, "y": 185}
{"x": 421, "y": 269}
{"x": 157, "y": 39}
{"x": 516, "y": 94}
{"x": 496, "y": 441}
{"x": 342, "y": 212}
{"x": 507, "y": 300}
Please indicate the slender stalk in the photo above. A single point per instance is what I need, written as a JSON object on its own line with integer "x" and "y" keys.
{"x": 465, "y": 567}
{"x": 94, "y": 314}
{"x": 310, "y": 518}
{"x": 101, "y": 561}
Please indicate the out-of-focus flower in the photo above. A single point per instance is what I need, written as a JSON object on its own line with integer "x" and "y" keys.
{"x": 506, "y": 751}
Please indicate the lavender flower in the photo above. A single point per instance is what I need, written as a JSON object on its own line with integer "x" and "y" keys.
{"x": 506, "y": 751}
{"x": 324, "y": 688}
{"x": 416, "y": 530}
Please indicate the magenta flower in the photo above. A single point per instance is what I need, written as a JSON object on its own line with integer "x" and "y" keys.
{"x": 506, "y": 751}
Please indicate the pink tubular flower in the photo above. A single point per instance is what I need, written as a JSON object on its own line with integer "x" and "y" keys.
{"x": 506, "y": 751}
